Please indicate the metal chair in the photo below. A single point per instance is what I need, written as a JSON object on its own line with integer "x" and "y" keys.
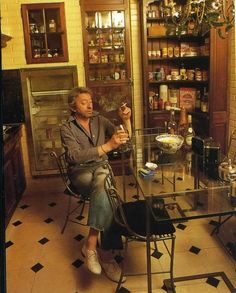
{"x": 231, "y": 152}
{"x": 130, "y": 220}
{"x": 71, "y": 191}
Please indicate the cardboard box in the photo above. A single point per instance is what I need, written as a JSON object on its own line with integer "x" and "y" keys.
{"x": 187, "y": 98}
{"x": 156, "y": 30}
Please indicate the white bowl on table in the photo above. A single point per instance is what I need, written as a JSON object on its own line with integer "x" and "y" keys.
{"x": 169, "y": 143}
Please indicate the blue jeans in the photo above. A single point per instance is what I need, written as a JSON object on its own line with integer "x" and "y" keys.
{"x": 90, "y": 181}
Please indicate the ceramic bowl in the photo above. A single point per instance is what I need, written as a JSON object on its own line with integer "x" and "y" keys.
{"x": 169, "y": 143}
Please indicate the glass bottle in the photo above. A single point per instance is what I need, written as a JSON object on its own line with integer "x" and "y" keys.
{"x": 189, "y": 134}
{"x": 52, "y": 26}
{"x": 183, "y": 121}
{"x": 198, "y": 101}
{"x": 172, "y": 125}
{"x": 204, "y": 101}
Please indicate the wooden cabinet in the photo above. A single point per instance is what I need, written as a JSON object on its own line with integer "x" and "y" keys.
{"x": 44, "y": 32}
{"x": 14, "y": 176}
{"x": 183, "y": 70}
{"x": 106, "y": 43}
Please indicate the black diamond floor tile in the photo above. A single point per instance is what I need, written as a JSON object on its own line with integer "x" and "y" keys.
{"x": 52, "y": 204}
{"x": 17, "y": 223}
{"x": 213, "y": 281}
{"x": 37, "y": 267}
{"x": 43, "y": 241}
{"x": 135, "y": 196}
{"x": 132, "y": 184}
{"x": 181, "y": 226}
{"x": 179, "y": 178}
{"x": 48, "y": 220}
{"x": 77, "y": 263}
{"x": 194, "y": 249}
{"x": 25, "y": 206}
{"x": 157, "y": 254}
{"x": 79, "y": 237}
{"x": 123, "y": 290}
{"x": 8, "y": 244}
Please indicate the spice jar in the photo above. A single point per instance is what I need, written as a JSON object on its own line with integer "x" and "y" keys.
{"x": 52, "y": 26}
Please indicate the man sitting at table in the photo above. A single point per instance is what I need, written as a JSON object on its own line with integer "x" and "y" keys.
{"x": 87, "y": 137}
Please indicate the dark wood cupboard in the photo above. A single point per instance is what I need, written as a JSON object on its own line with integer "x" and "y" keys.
{"x": 14, "y": 176}
{"x": 44, "y": 32}
{"x": 106, "y": 41}
{"x": 183, "y": 70}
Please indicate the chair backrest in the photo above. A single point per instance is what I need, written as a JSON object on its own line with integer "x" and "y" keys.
{"x": 231, "y": 154}
{"x": 116, "y": 204}
{"x": 62, "y": 167}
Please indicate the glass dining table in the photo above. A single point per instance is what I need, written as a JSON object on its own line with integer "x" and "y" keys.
{"x": 178, "y": 183}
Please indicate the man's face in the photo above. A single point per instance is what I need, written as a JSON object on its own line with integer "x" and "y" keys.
{"x": 84, "y": 105}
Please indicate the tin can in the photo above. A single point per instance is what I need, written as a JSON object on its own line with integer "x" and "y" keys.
{"x": 204, "y": 75}
{"x": 198, "y": 74}
{"x": 150, "y": 75}
{"x": 164, "y": 52}
{"x": 176, "y": 51}
{"x": 190, "y": 74}
{"x": 170, "y": 52}
{"x": 158, "y": 53}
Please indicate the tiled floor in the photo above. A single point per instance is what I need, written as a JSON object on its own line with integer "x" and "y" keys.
{"x": 42, "y": 260}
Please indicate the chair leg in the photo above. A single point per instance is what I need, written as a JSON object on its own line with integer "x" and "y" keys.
{"x": 172, "y": 264}
{"x": 122, "y": 266}
{"x": 67, "y": 215}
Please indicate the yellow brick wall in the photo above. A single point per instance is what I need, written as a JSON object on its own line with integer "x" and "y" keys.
{"x": 13, "y": 56}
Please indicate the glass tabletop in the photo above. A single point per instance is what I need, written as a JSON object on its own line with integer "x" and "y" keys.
{"x": 192, "y": 204}
{"x": 178, "y": 182}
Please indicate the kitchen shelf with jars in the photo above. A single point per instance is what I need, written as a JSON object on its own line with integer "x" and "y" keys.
{"x": 106, "y": 43}
{"x": 176, "y": 67}
{"x": 44, "y": 32}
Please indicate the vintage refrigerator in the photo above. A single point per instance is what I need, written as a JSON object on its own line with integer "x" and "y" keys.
{"x": 45, "y": 92}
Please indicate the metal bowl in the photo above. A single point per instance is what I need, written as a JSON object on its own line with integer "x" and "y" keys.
{"x": 169, "y": 143}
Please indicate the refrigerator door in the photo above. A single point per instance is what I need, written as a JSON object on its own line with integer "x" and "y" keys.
{"x": 45, "y": 94}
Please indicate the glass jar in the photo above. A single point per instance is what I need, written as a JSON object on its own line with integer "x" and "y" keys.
{"x": 52, "y": 26}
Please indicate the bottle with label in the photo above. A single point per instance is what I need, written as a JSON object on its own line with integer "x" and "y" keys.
{"x": 183, "y": 122}
{"x": 155, "y": 102}
{"x": 163, "y": 74}
{"x": 204, "y": 101}
{"x": 172, "y": 125}
{"x": 52, "y": 26}
{"x": 182, "y": 72}
{"x": 189, "y": 134}
{"x": 198, "y": 101}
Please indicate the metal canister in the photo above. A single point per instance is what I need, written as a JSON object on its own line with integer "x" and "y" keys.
{"x": 164, "y": 52}
{"x": 176, "y": 51}
{"x": 190, "y": 74}
{"x": 198, "y": 74}
{"x": 170, "y": 52}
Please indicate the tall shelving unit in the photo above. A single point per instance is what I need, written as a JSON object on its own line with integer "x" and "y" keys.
{"x": 170, "y": 51}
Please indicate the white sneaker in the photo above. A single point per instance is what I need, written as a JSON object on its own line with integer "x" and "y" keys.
{"x": 91, "y": 260}
{"x": 112, "y": 270}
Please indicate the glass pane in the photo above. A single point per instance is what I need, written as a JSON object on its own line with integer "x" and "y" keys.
{"x": 53, "y": 21}
{"x": 48, "y": 110}
{"x": 90, "y": 20}
{"x": 36, "y": 23}
{"x": 118, "y": 19}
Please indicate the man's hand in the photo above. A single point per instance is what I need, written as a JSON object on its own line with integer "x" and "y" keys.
{"x": 124, "y": 112}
